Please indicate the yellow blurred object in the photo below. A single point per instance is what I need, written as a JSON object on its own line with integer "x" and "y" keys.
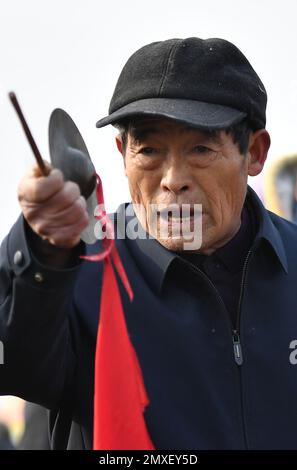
{"x": 12, "y": 415}
{"x": 280, "y": 186}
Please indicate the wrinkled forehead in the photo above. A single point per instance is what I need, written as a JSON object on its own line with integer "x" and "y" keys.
{"x": 143, "y": 127}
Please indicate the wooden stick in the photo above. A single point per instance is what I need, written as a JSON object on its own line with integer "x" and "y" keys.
{"x": 40, "y": 162}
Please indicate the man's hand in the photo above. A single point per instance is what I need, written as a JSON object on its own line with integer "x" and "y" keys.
{"x": 53, "y": 208}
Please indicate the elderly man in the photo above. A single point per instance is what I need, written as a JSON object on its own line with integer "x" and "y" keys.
{"x": 213, "y": 325}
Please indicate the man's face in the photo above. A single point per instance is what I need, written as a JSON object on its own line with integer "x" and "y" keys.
{"x": 169, "y": 164}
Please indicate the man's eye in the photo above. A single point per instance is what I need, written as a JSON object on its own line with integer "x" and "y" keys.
{"x": 204, "y": 156}
{"x": 148, "y": 151}
{"x": 203, "y": 150}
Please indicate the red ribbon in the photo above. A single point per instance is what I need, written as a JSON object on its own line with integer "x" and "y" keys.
{"x": 120, "y": 396}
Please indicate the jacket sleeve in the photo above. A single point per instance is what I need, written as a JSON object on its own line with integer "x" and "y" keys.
{"x": 37, "y": 360}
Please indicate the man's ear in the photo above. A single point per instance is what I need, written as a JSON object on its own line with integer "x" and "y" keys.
{"x": 257, "y": 151}
{"x": 121, "y": 149}
{"x": 119, "y": 143}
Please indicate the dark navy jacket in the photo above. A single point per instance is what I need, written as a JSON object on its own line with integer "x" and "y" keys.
{"x": 210, "y": 387}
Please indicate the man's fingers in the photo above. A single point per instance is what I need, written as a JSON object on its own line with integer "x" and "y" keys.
{"x": 40, "y": 188}
{"x": 72, "y": 213}
{"x": 68, "y": 236}
{"x": 54, "y": 209}
{"x": 63, "y": 198}
{"x": 46, "y": 226}
{"x": 65, "y": 206}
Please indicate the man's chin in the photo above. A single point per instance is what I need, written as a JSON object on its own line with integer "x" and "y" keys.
{"x": 179, "y": 244}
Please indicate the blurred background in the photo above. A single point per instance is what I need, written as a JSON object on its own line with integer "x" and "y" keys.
{"x": 69, "y": 53}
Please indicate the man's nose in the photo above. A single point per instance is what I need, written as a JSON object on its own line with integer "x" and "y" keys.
{"x": 176, "y": 178}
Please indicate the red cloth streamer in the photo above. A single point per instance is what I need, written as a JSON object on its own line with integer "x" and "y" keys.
{"x": 120, "y": 396}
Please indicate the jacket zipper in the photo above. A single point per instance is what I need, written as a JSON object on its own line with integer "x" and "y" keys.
{"x": 237, "y": 350}
{"x": 238, "y": 356}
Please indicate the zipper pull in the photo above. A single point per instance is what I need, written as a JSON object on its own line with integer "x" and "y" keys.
{"x": 237, "y": 349}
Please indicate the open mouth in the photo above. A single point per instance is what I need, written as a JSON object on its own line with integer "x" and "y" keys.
{"x": 180, "y": 222}
{"x": 180, "y": 213}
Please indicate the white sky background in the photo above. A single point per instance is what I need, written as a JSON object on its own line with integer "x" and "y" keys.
{"x": 69, "y": 53}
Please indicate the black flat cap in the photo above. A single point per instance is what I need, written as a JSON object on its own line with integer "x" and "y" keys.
{"x": 207, "y": 83}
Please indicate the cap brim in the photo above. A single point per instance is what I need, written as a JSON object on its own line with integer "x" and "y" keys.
{"x": 195, "y": 113}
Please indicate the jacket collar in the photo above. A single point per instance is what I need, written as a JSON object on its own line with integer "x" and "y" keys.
{"x": 267, "y": 229}
{"x": 154, "y": 260}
